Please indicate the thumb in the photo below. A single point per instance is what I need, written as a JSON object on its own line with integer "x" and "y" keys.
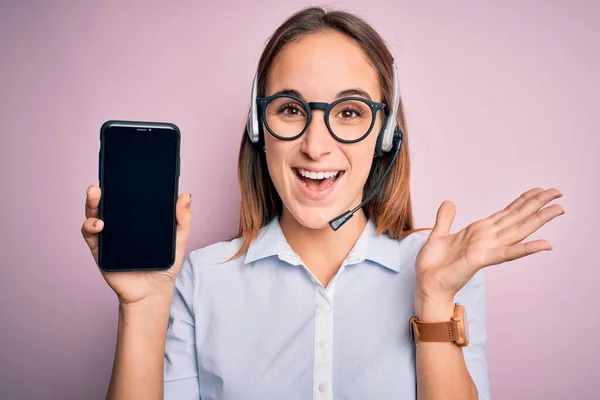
{"x": 444, "y": 219}
{"x": 183, "y": 212}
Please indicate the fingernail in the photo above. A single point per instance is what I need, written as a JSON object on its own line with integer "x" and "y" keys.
{"x": 189, "y": 203}
{"x": 95, "y": 223}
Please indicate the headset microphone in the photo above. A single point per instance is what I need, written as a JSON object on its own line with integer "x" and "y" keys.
{"x": 340, "y": 220}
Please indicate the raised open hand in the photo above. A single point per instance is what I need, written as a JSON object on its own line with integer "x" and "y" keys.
{"x": 134, "y": 286}
{"x": 448, "y": 261}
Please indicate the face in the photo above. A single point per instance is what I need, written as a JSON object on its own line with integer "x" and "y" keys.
{"x": 316, "y": 176}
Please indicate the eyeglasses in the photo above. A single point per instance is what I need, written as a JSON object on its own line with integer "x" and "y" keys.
{"x": 349, "y": 119}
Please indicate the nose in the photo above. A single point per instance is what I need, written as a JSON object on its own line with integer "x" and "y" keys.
{"x": 317, "y": 142}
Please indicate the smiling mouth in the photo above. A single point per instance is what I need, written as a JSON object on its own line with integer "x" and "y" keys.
{"x": 318, "y": 181}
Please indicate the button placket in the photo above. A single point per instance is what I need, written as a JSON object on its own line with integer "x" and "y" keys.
{"x": 323, "y": 349}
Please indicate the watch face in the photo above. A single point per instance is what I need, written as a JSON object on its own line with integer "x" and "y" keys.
{"x": 413, "y": 333}
{"x": 460, "y": 316}
{"x": 466, "y": 325}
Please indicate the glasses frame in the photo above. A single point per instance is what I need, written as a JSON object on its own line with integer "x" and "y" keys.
{"x": 262, "y": 103}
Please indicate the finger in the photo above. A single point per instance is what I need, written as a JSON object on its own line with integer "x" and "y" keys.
{"x": 527, "y": 208}
{"x": 509, "y": 253}
{"x": 516, "y": 233}
{"x": 518, "y": 202}
{"x": 444, "y": 219}
{"x": 89, "y": 230}
{"x": 183, "y": 212}
{"x": 92, "y": 201}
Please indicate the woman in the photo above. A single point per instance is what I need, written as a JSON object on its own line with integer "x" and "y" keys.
{"x": 293, "y": 309}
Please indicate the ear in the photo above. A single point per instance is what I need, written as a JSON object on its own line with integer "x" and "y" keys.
{"x": 379, "y": 142}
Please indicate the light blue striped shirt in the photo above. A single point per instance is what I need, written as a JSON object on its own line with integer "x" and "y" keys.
{"x": 262, "y": 327}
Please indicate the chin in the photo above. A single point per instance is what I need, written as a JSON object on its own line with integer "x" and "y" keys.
{"x": 316, "y": 218}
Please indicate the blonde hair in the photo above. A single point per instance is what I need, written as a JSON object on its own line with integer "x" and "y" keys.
{"x": 390, "y": 209}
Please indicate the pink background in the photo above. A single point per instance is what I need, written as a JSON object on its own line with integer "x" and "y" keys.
{"x": 500, "y": 98}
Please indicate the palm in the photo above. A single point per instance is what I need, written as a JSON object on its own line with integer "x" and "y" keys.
{"x": 134, "y": 286}
{"x": 451, "y": 260}
{"x": 447, "y": 261}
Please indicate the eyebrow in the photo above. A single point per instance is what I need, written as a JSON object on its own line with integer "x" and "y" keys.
{"x": 343, "y": 93}
{"x": 353, "y": 92}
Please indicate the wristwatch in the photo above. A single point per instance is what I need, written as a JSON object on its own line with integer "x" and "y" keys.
{"x": 456, "y": 330}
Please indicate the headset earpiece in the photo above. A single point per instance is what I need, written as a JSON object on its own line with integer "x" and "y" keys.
{"x": 252, "y": 126}
{"x": 385, "y": 141}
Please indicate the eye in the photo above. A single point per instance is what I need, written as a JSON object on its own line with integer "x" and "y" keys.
{"x": 291, "y": 110}
{"x": 349, "y": 113}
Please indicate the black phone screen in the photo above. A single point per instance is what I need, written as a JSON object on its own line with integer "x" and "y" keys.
{"x": 139, "y": 169}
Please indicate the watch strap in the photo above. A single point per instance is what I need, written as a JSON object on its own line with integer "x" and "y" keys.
{"x": 434, "y": 331}
{"x": 455, "y": 330}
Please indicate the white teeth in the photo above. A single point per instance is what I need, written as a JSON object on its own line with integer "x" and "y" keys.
{"x": 317, "y": 175}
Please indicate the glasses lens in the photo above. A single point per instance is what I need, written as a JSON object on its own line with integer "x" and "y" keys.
{"x": 350, "y": 119}
{"x": 286, "y": 117}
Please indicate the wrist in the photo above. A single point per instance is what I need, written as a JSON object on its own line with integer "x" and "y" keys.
{"x": 156, "y": 303}
{"x": 146, "y": 320}
{"x": 428, "y": 310}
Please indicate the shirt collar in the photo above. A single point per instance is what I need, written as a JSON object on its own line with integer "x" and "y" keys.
{"x": 271, "y": 242}
{"x": 380, "y": 249}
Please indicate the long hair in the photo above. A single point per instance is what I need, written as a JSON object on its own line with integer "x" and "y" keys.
{"x": 391, "y": 208}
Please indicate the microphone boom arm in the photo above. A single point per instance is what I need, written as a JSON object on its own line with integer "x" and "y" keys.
{"x": 340, "y": 220}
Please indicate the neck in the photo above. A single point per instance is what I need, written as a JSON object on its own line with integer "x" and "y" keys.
{"x": 322, "y": 250}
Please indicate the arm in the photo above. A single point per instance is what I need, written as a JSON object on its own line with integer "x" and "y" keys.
{"x": 445, "y": 371}
{"x": 155, "y": 356}
{"x": 448, "y": 263}
{"x": 441, "y": 368}
{"x": 138, "y": 366}
{"x": 145, "y": 301}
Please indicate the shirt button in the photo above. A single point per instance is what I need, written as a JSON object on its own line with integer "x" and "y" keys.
{"x": 321, "y": 305}
{"x": 321, "y": 387}
{"x": 323, "y": 344}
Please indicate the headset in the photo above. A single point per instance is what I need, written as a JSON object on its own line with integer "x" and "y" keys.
{"x": 389, "y": 138}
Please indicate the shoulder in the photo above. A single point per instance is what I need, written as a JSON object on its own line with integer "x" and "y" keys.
{"x": 396, "y": 253}
{"x": 411, "y": 243}
{"x": 218, "y": 253}
{"x": 415, "y": 240}
{"x": 408, "y": 248}
{"x": 218, "y": 256}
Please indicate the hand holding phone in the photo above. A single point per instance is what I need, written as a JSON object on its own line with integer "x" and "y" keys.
{"x": 136, "y": 226}
{"x": 133, "y": 286}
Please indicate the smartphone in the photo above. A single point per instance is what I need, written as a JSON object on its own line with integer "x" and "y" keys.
{"x": 139, "y": 178}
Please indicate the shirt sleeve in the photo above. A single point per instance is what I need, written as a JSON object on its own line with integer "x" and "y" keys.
{"x": 473, "y": 297}
{"x": 181, "y": 368}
